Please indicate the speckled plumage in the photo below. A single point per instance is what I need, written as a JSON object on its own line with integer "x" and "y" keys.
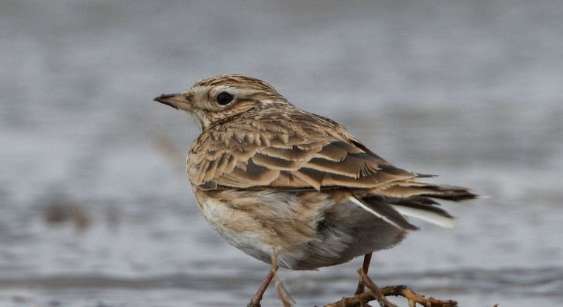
{"x": 274, "y": 179}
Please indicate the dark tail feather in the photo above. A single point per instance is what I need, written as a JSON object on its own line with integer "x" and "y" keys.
{"x": 422, "y": 204}
{"x": 420, "y": 189}
{"x": 448, "y": 192}
{"x": 415, "y": 199}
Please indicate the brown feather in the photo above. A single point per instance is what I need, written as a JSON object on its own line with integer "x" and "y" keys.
{"x": 293, "y": 153}
{"x": 334, "y": 151}
{"x": 276, "y": 163}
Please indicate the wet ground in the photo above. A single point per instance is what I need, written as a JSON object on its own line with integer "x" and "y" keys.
{"x": 95, "y": 210}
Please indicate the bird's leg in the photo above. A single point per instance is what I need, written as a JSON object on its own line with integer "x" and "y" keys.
{"x": 365, "y": 268}
{"x": 286, "y": 299}
{"x": 379, "y": 295}
{"x": 255, "y": 301}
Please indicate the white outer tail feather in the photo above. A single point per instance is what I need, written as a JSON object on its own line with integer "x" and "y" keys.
{"x": 368, "y": 209}
{"x": 421, "y": 214}
{"x": 427, "y": 216}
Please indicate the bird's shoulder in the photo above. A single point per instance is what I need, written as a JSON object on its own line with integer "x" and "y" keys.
{"x": 269, "y": 126}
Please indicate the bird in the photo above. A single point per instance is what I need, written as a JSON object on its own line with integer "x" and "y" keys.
{"x": 295, "y": 189}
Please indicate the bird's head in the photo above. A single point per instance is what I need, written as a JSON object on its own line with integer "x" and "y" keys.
{"x": 220, "y": 97}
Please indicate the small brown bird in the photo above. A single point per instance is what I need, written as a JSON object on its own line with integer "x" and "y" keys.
{"x": 292, "y": 188}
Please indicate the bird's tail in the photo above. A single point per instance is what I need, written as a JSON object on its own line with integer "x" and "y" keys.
{"x": 413, "y": 199}
{"x": 409, "y": 189}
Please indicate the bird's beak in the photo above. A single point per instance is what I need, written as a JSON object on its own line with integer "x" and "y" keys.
{"x": 173, "y": 100}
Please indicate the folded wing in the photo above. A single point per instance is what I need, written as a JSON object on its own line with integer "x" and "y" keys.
{"x": 292, "y": 162}
{"x": 315, "y": 154}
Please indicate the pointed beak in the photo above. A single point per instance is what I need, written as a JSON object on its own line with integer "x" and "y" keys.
{"x": 172, "y": 100}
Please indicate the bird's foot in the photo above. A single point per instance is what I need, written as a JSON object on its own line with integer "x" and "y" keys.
{"x": 374, "y": 289}
{"x": 375, "y": 293}
{"x": 253, "y": 304}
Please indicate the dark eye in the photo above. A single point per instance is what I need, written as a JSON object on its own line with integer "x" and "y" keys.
{"x": 224, "y": 98}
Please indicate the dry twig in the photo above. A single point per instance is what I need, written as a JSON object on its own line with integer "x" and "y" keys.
{"x": 380, "y": 294}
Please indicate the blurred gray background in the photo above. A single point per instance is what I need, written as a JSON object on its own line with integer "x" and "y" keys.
{"x": 95, "y": 209}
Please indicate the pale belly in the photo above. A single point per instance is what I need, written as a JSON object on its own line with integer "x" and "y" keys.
{"x": 235, "y": 227}
{"x": 305, "y": 231}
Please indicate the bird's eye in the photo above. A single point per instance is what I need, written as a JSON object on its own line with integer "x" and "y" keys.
{"x": 224, "y": 98}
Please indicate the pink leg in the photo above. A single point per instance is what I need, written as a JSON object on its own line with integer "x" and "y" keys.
{"x": 365, "y": 268}
{"x": 255, "y": 301}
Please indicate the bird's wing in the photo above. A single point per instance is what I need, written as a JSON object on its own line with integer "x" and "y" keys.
{"x": 309, "y": 152}
{"x": 314, "y": 153}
